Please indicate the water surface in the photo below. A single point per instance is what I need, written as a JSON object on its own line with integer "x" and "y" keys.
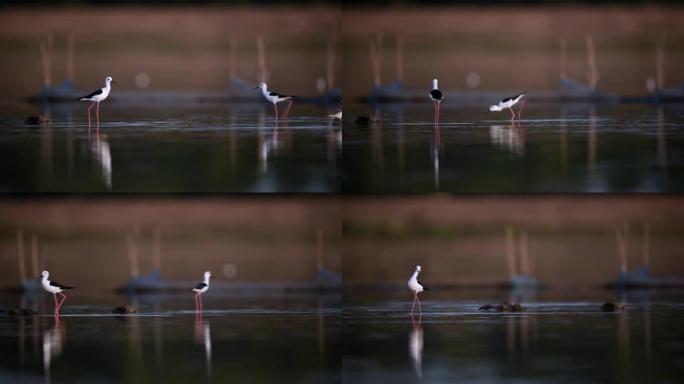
{"x": 573, "y": 148}
{"x": 170, "y": 148}
{"x": 553, "y": 341}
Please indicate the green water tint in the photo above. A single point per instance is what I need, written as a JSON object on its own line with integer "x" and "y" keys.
{"x": 173, "y": 149}
{"x": 554, "y": 148}
{"x": 164, "y": 343}
{"x": 550, "y": 342}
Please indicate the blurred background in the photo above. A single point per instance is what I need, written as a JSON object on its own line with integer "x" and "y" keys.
{"x": 571, "y": 243}
{"x": 166, "y": 45}
{"x": 506, "y": 46}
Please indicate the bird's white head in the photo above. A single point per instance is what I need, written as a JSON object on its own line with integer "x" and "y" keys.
{"x": 207, "y": 275}
{"x": 495, "y": 108}
{"x": 418, "y": 268}
{"x": 45, "y": 273}
{"x": 434, "y": 84}
{"x": 261, "y": 86}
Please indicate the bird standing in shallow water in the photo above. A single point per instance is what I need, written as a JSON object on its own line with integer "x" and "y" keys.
{"x": 54, "y": 288}
{"x": 416, "y": 287}
{"x": 437, "y": 97}
{"x": 96, "y": 97}
{"x": 199, "y": 289}
{"x": 275, "y": 98}
{"x": 509, "y": 102}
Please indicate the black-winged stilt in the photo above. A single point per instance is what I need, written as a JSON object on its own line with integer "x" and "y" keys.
{"x": 509, "y": 102}
{"x": 54, "y": 288}
{"x": 199, "y": 289}
{"x": 416, "y": 287}
{"x": 96, "y": 97}
{"x": 275, "y": 98}
{"x": 437, "y": 97}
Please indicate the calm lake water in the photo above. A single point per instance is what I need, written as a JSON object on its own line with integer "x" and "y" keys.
{"x": 553, "y": 341}
{"x": 258, "y": 340}
{"x": 554, "y": 148}
{"x": 176, "y": 148}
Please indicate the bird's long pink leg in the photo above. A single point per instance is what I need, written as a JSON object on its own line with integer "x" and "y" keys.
{"x": 97, "y": 110}
{"x": 275, "y": 108}
{"x": 415, "y": 296}
{"x": 54, "y": 296}
{"x": 439, "y": 112}
{"x": 420, "y": 309}
{"x": 287, "y": 110}
{"x": 62, "y": 301}
{"x": 89, "y": 108}
{"x": 200, "y": 302}
{"x": 196, "y": 303}
{"x": 512, "y": 118}
{"x": 522, "y": 105}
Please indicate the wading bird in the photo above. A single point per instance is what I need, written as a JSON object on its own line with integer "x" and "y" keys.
{"x": 437, "y": 97}
{"x": 54, "y": 288}
{"x": 199, "y": 289}
{"x": 275, "y": 98}
{"x": 416, "y": 287}
{"x": 509, "y": 102}
{"x": 96, "y": 97}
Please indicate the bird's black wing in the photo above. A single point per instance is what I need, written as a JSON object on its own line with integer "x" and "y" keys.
{"x": 513, "y": 98}
{"x": 276, "y": 94}
{"x": 58, "y": 285}
{"x": 200, "y": 286}
{"x": 437, "y": 94}
{"x": 94, "y": 93}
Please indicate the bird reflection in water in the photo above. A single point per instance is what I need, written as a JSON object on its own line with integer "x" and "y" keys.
{"x": 53, "y": 342}
{"x": 203, "y": 337}
{"x": 511, "y": 138}
{"x": 416, "y": 345}
{"x": 101, "y": 153}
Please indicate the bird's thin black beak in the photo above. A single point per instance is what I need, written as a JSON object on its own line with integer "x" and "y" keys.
{"x": 257, "y": 87}
{"x": 114, "y": 82}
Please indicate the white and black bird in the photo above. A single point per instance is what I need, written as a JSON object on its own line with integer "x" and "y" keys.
{"x": 275, "y": 98}
{"x": 96, "y": 97}
{"x": 509, "y": 102}
{"x": 437, "y": 97}
{"x": 54, "y": 288}
{"x": 416, "y": 287}
{"x": 199, "y": 289}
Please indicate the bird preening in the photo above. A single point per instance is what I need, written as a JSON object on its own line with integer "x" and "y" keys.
{"x": 437, "y": 97}
{"x": 96, "y": 97}
{"x": 275, "y": 98}
{"x": 416, "y": 288}
{"x": 54, "y": 288}
{"x": 509, "y": 102}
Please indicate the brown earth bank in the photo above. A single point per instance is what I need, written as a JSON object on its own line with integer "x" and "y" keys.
{"x": 513, "y": 48}
{"x": 570, "y": 241}
{"x": 84, "y": 241}
{"x": 179, "y": 48}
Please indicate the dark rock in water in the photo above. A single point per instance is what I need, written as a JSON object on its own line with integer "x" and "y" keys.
{"x": 486, "y": 307}
{"x": 507, "y": 306}
{"x": 612, "y": 307}
{"x": 35, "y": 120}
{"x": 123, "y": 310}
{"x": 21, "y": 312}
{"x": 365, "y": 120}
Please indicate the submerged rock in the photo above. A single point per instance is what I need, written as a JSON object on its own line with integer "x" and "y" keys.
{"x": 612, "y": 307}
{"x": 123, "y": 310}
{"x": 365, "y": 120}
{"x": 19, "y": 311}
{"x": 35, "y": 120}
{"x": 506, "y": 306}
